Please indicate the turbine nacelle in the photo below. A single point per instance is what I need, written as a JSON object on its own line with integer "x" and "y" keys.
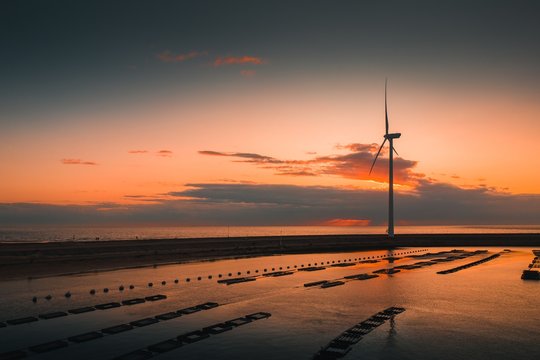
{"x": 392, "y": 136}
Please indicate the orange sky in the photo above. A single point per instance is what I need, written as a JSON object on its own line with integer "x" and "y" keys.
{"x": 461, "y": 137}
{"x": 249, "y": 114}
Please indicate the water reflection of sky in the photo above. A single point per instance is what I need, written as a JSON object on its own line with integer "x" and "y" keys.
{"x": 483, "y": 312}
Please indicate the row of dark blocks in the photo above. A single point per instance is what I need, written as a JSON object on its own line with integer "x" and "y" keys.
{"x": 327, "y": 284}
{"x": 343, "y": 343}
{"x": 471, "y": 264}
{"x": 121, "y": 288}
{"x": 58, "y": 344}
{"x": 451, "y": 256}
{"x": 82, "y": 310}
{"x": 337, "y": 282}
{"x": 191, "y": 337}
{"x": 323, "y": 284}
{"x": 530, "y": 274}
{"x": 291, "y": 272}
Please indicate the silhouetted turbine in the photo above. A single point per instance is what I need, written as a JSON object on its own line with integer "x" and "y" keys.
{"x": 390, "y": 138}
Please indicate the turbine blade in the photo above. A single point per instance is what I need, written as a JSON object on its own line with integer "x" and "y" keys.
{"x": 385, "y": 105}
{"x": 376, "y": 156}
{"x": 393, "y": 148}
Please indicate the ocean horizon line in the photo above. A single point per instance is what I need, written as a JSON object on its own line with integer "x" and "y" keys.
{"x": 43, "y": 234}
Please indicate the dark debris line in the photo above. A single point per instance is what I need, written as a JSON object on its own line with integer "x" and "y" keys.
{"x": 82, "y": 310}
{"x": 58, "y": 344}
{"x": 191, "y": 337}
{"x": 311, "y": 267}
{"x": 450, "y": 256}
{"x": 342, "y": 344}
{"x": 471, "y": 264}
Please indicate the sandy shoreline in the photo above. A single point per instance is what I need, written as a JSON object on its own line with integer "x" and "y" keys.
{"x": 25, "y": 260}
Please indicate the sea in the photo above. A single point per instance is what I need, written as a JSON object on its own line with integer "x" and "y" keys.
{"x": 92, "y": 233}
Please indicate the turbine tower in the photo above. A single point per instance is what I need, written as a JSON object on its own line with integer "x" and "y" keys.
{"x": 390, "y": 138}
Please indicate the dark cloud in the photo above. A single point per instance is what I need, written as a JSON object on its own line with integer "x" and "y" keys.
{"x": 168, "y": 57}
{"x": 264, "y": 204}
{"x": 251, "y": 157}
{"x": 213, "y": 153}
{"x": 164, "y": 153}
{"x": 480, "y": 205}
{"x": 354, "y": 165}
{"x": 145, "y": 198}
{"x": 77, "y": 162}
{"x": 270, "y": 194}
{"x": 236, "y": 60}
{"x": 293, "y": 172}
{"x": 357, "y": 147}
{"x": 357, "y": 164}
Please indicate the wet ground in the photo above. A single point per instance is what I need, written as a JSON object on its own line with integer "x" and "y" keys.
{"x": 481, "y": 312}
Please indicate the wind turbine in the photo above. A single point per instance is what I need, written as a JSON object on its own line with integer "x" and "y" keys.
{"x": 390, "y": 138}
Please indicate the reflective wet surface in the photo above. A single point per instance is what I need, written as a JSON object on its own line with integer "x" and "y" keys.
{"x": 482, "y": 312}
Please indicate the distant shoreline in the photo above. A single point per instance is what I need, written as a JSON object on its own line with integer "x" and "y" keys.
{"x": 25, "y": 260}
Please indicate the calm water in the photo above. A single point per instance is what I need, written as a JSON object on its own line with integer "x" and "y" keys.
{"x": 47, "y": 234}
{"x": 484, "y": 312}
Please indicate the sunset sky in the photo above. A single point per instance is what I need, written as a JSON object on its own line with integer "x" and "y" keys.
{"x": 268, "y": 112}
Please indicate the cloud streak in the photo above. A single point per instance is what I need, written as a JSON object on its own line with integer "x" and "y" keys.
{"x": 77, "y": 162}
{"x": 238, "y": 60}
{"x": 168, "y": 57}
{"x": 353, "y": 165}
{"x": 164, "y": 153}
